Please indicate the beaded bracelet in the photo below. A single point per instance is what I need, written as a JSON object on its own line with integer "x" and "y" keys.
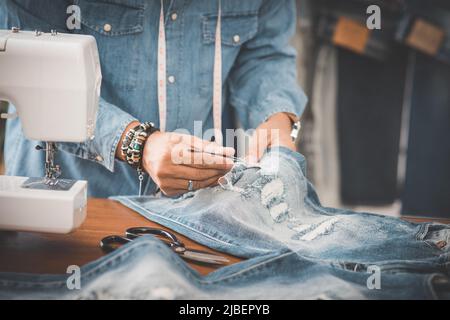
{"x": 133, "y": 147}
{"x": 134, "y": 141}
{"x": 127, "y": 140}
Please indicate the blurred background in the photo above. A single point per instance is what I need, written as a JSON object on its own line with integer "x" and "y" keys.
{"x": 3, "y": 108}
{"x": 376, "y": 132}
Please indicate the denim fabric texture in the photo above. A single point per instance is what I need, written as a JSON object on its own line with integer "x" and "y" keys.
{"x": 259, "y": 75}
{"x": 297, "y": 248}
{"x": 275, "y": 207}
{"x": 147, "y": 269}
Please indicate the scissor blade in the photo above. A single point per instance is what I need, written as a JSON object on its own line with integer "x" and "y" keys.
{"x": 205, "y": 257}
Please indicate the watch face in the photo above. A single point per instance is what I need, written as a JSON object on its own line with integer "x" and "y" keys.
{"x": 295, "y": 130}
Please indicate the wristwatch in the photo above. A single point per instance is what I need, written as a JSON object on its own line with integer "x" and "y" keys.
{"x": 295, "y": 130}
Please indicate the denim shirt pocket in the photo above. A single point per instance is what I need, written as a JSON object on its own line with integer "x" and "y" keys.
{"x": 117, "y": 25}
{"x": 237, "y": 28}
{"x": 124, "y": 16}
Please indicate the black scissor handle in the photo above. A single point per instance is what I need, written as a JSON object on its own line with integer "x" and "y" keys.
{"x": 110, "y": 243}
{"x": 133, "y": 233}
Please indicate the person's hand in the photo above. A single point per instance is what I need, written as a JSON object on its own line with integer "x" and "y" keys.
{"x": 169, "y": 161}
{"x": 276, "y": 131}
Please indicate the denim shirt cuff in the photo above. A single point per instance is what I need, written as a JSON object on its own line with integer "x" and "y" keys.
{"x": 110, "y": 158}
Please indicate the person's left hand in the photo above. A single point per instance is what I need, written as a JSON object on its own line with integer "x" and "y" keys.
{"x": 276, "y": 131}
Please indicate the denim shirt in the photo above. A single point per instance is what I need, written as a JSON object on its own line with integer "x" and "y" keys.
{"x": 259, "y": 74}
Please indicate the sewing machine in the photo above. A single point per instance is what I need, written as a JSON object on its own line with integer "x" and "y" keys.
{"x": 53, "y": 80}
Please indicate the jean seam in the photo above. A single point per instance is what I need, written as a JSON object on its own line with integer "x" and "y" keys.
{"x": 252, "y": 267}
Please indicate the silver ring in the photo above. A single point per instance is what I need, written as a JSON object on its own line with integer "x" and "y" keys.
{"x": 190, "y": 185}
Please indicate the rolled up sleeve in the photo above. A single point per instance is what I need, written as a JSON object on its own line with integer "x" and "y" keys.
{"x": 264, "y": 79}
{"x": 110, "y": 124}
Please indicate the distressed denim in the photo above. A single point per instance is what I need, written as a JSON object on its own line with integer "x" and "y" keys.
{"x": 274, "y": 207}
{"x": 148, "y": 269}
{"x": 297, "y": 248}
{"x": 259, "y": 75}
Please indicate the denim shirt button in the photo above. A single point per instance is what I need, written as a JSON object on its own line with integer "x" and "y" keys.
{"x": 236, "y": 38}
{"x": 107, "y": 27}
{"x": 99, "y": 158}
{"x": 174, "y": 16}
{"x": 171, "y": 79}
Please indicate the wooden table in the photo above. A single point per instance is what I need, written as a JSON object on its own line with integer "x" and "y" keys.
{"x": 51, "y": 253}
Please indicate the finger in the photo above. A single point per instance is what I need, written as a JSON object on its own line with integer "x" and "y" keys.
{"x": 184, "y": 184}
{"x": 195, "y": 152}
{"x": 190, "y": 173}
{"x": 258, "y": 145}
{"x": 200, "y": 145}
{"x": 252, "y": 156}
{"x": 173, "y": 192}
{"x": 201, "y": 160}
{"x": 205, "y": 183}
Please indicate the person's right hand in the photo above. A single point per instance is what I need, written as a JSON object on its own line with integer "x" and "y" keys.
{"x": 168, "y": 159}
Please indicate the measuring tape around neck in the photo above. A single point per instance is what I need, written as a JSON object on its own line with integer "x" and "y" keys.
{"x": 217, "y": 75}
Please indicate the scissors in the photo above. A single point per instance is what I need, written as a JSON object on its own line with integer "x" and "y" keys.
{"x": 113, "y": 242}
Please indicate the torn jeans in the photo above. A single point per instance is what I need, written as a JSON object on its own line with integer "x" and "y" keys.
{"x": 274, "y": 207}
{"x": 297, "y": 248}
{"x": 148, "y": 269}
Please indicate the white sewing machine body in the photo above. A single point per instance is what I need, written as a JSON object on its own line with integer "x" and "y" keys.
{"x": 54, "y": 211}
{"x": 53, "y": 80}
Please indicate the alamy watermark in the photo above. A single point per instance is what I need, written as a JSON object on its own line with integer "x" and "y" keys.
{"x": 73, "y": 21}
{"x": 73, "y": 282}
{"x": 374, "y": 20}
{"x": 196, "y": 148}
{"x": 374, "y": 280}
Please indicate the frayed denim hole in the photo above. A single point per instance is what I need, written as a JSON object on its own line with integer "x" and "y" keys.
{"x": 349, "y": 266}
{"x": 438, "y": 236}
{"x": 279, "y": 212}
{"x": 314, "y": 231}
{"x": 270, "y": 190}
{"x": 272, "y": 193}
{"x": 184, "y": 196}
{"x": 273, "y": 200}
{"x": 300, "y": 229}
{"x": 255, "y": 188}
{"x": 228, "y": 181}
